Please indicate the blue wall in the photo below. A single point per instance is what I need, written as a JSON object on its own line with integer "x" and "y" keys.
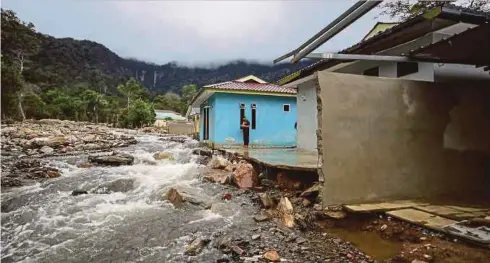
{"x": 274, "y": 127}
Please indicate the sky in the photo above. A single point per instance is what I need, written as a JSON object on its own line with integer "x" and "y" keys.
{"x": 193, "y": 32}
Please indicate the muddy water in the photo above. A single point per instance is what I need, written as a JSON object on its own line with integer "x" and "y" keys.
{"x": 371, "y": 243}
{"x": 45, "y": 223}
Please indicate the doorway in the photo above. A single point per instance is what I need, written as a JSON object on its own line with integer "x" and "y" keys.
{"x": 206, "y": 124}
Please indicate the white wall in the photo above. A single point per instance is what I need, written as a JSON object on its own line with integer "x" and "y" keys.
{"x": 432, "y": 72}
{"x": 307, "y": 116}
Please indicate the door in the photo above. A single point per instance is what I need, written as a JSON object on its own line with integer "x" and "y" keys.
{"x": 206, "y": 124}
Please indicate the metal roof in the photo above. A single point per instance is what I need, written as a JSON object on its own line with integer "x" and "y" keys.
{"x": 246, "y": 86}
{"x": 408, "y": 30}
{"x": 237, "y": 86}
{"x": 164, "y": 114}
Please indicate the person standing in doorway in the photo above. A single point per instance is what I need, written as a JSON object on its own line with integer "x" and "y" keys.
{"x": 245, "y": 129}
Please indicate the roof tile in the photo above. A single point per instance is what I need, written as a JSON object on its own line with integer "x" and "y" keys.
{"x": 244, "y": 86}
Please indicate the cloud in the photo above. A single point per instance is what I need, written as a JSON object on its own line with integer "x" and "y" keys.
{"x": 214, "y": 24}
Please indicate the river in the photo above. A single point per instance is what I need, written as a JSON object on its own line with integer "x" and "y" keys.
{"x": 134, "y": 223}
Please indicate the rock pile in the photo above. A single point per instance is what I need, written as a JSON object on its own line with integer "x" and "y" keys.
{"x": 55, "y": 137}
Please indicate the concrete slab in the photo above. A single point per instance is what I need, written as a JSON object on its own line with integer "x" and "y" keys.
{"x": 411, "y": 215}
{"x": 421, "y": 218}
{"x": 291, "y": 158}
{"x": 438, "y": 210}
{"x": 384, "y": 206}
{"x": 468, "y": 209}
{"x": 363, "y": 208}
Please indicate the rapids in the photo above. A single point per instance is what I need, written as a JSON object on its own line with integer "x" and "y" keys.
{"x": 132, "y": 223}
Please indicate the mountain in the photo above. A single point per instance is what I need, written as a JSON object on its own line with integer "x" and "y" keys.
{"x": 63, "y": 62}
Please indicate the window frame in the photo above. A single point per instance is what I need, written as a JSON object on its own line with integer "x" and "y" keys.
{"x": 253, "y": 109}
{"x": 284, "y": 107}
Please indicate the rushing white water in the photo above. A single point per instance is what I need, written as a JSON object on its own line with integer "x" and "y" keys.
{"x": 45, "y": 223}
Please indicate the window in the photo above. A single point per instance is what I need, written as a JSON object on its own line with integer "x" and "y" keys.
{"x": 406, "y": 68}
{"x": 371, "y": 72}
{"x": 286, "y": 107}
{"x": 254, "y": 115}
{"x": 242, "y": 112}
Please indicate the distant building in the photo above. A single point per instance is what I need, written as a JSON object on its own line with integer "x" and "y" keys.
{"x": 270, "y": 109}
{"x": 162, "y": 116}
{"x": 192, "y": 114}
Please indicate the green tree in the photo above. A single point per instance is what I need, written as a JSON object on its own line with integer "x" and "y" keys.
{"x": 188, "y": 93}
{"x": 19, "y": 43}
{"x": 95, "y": 102}
{"x": 133, "y": 90}
{"x": 140, "y": 113}
{"x": 404, "y": 9}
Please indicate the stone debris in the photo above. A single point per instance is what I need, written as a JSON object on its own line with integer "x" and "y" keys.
{"x": 174, "y": 197}
{"x": 261, "y": 218}
{"x": 266, "y": 200}
{"x": 116, "y": 159}
{"x": 286, "y": 210}
{"x": 245, "y": 175}
{"x": 272, "y": 256}
{"x": 218, "y": 162}
{"x": 218, "y": 177}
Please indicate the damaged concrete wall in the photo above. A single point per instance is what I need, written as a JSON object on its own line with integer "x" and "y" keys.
{"x": 389, "y": 138}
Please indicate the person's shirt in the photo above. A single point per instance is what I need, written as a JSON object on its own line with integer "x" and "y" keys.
{"x": 247, "y": 123}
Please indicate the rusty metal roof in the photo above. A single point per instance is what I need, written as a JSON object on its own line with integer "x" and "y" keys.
{"x": 408, "y": 30}
{"x": 248, "y": 86}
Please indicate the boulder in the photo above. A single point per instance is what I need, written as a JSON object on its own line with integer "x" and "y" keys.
{"x": 245, "y": 175}
{"x": 229, "y": 168}
{"x": 285, "y": 209}
{"x": 196, "y": 246}
{"x": 119, "y": 185}
{"x": 162, "y": 156}
{"x": 112, "y": 160}
{"x": 46, "y": 150}
{"x": 221, "y": 178}
{"x": 218, "y": 162}
{"x": 174, "y": 197}
{"x": 79, "y": 192}
{"x": 272, "y": 256}
{"x": 266, "y": 200}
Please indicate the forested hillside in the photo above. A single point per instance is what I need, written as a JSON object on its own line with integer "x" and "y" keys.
{"x": 43, "y": 76}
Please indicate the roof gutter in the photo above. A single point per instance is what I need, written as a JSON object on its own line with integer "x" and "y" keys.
{"x": 340, "y": 23}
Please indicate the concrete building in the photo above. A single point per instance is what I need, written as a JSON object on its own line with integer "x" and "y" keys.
{"x": 271, "y": 110}
{"x": 404, "y": 113}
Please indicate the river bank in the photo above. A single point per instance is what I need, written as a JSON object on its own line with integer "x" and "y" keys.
{"x": 100, "y": 211}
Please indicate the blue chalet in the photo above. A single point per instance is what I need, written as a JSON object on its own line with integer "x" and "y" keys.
{"x": 270, "y": 109}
